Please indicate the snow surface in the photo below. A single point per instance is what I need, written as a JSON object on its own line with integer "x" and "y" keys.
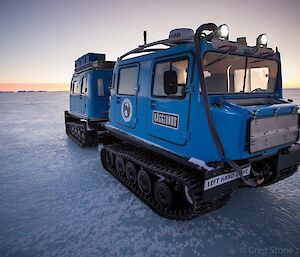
{"x": 57, "y": 200}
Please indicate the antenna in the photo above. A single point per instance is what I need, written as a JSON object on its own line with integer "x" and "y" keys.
{"x": 145, "y": 37}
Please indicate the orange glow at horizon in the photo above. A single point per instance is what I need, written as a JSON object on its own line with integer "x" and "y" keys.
{"x": 4, "y": 87}
{"x": 291, "y": 85}
{"x": 34, "y": 87}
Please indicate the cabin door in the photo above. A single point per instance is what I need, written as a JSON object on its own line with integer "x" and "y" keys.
{"x": 168, "y": 115}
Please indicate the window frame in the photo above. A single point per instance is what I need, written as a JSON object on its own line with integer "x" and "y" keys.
{"x": 113, "y": 81}
{"x": 72, "y": 87}
{"x": 119, "y": 77}
{"x": 86, "y": 83}
{"x": 171, "y": 60}
{"x": 74, "y": 82}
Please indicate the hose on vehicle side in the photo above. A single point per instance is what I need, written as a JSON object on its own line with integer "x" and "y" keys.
{"x": 220, "y": 148}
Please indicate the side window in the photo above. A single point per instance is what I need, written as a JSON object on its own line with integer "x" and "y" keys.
{"x": 128, "y": 80}
{"x": 181, "y": 69}
{"x": 158, "y": 86}
{"x": 84, "y": 85}
{"x": 100, "y": 87}
{"x": 76, "y": 87}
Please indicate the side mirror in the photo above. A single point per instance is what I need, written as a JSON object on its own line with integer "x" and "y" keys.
{"x": 170, "y": 82}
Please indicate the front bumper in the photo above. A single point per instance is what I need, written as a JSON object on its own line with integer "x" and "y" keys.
{"x": 288, "y": 157}
{"x": 287, "y": 164}
{"x": 222, "y": 179}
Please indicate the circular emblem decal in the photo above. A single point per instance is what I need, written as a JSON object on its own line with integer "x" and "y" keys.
{"x": 126, "y": 110}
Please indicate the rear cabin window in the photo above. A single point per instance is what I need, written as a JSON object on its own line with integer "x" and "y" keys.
{"x": 181, "y": 68}
{"x": 76, "y": 87}
{"x": 128, "y": 78}
{"x": 100, "y": 87}
{"x": 84, "y": 86}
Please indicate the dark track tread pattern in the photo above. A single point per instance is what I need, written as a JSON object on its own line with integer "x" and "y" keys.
{"x": 91, "y": 138}
{"x": 171, "y": 171}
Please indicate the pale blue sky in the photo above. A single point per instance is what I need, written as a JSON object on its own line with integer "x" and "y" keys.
{"x": 41, "y": 39}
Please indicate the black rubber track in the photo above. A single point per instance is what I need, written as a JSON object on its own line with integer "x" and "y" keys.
{"x": 91, "y": 138}
{"x": 160, "y": 167}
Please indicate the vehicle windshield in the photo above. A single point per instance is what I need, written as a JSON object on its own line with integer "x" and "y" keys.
{"x": 227, "y": 73}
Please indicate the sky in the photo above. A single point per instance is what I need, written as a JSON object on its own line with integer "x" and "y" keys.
{"x": 39, "y": 39}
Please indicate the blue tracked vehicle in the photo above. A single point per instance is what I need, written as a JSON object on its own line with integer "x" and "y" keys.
{"x": 199, "y": 115}
{"x": 89, "y": 99}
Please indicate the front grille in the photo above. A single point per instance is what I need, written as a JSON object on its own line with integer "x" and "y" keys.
{"x": 268, "y": 132}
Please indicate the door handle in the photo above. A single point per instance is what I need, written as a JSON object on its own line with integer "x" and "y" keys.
{"x": 118, "y": 99}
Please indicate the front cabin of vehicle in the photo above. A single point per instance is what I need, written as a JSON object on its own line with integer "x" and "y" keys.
{"x": 244, "y": 89}
{"x": 207, "y": 115}
{"x": 158, "y": 99}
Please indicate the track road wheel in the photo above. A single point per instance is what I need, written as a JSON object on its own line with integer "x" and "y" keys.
{"x": 131, "y": 172}
{"x": 163, "y": 194}
{"x": 120, "y": 165}
{"x": 83, "y": 136}
{"x": 109, "y": 157}
{"x": 188, "y": 195}
{"x": 144, "y": 182}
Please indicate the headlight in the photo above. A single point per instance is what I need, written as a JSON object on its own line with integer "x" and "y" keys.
{"x": 222, "y": 31}
{"x": 262, "y": 40}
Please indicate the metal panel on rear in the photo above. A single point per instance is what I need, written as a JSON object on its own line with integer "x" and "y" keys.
{"x": 273, "y": 131}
